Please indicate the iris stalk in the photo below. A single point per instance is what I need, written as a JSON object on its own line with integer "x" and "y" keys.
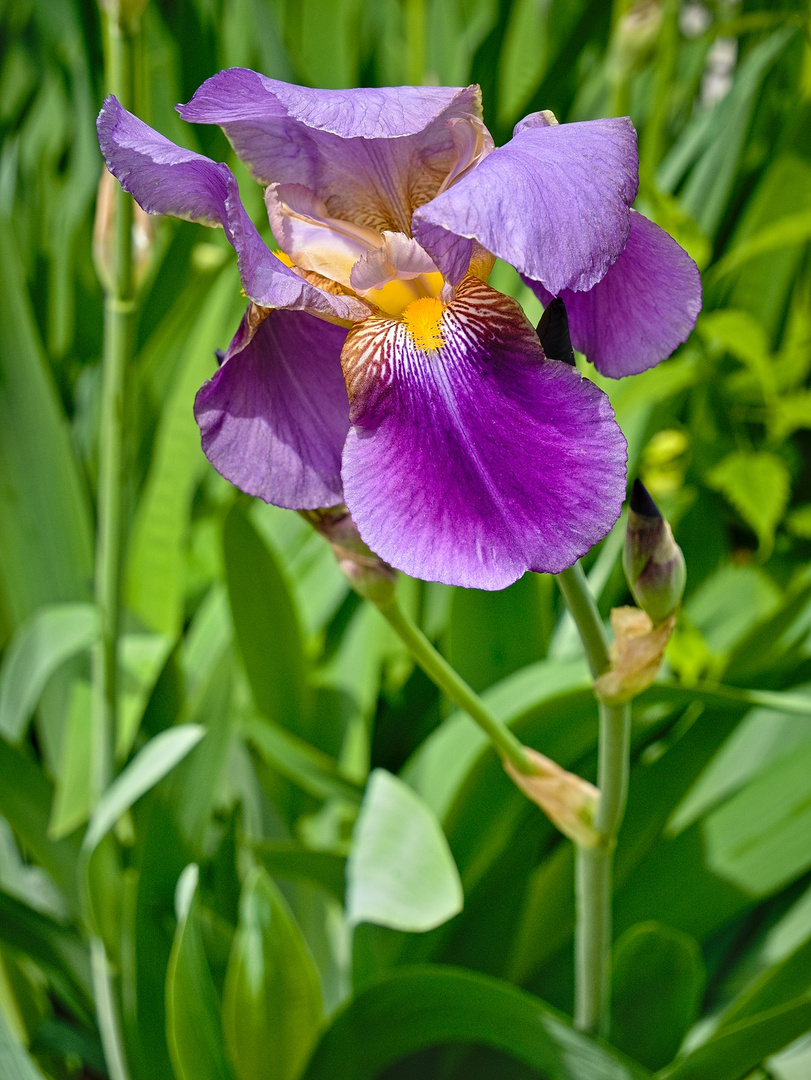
{"x": 594, "y": 866}
{"x": 440, "y": 672}
{"x": 119, "y": 315}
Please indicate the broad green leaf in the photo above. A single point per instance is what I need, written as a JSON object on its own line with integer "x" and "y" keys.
{"x": 45, "y": 532}
{"x": 785, "y": 232}
{"x": 523, "y": 57}
{"x": 757, "y": 483}
{"x": 55, "y": 947}
{"x": 73, "y": 798}
{"x": 150, "y": 765}
{"x": 141, "y": 660}
{"x": 25, "y": 798}
{"x": 777, "y": 985}
{"x": 42, "y": 644}
{"x": 481, "y": 643}
{"x": 272, "y": 998}
{"x": 735, "y": 1051}
{"x": 155, "y": 574}
{"x": 193, "y": 1029}
{"x": 309, "y": 768}
{"x": 419, "y": 1007}
{"x": 760, "y": 839}
{"x": 15, "y": 1061}
{"x": 266, "y": 624}
{"x": 657, "y": 983}
{"x": 400, "y": 871}
{"x": 288, "y": 860}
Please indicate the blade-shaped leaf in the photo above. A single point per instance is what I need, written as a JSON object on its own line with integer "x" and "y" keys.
{"x": 419, "y": 1007}
{"x": 400, "y": 871}
{"x": 658, "y": 980}
{"x": 15, "y": 1061}
{"x": 193, "y": 1029}
{"x": 158, "y": 757}
{"x": 41, "y": 644}
{"x": 272, "y": 999}
{"x": 266, "y": 624}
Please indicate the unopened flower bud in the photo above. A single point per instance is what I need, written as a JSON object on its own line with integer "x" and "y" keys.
{"x": 366, "y": 572}
{"x": 652, "y": 560}
{"x": 569, "y": 801}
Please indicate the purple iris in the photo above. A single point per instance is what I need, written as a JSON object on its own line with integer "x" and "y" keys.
{"x": 374, "y": 365}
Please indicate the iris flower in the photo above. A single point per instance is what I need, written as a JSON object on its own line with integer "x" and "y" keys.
{"x": 374, "y": 365}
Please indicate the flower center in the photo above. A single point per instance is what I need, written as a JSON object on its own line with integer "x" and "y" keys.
{"x": 423, "y": 322}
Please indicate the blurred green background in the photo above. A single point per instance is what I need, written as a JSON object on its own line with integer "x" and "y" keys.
{"x": 236, "y": 618}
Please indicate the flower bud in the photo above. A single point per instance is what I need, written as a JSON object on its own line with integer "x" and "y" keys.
{"x": 366, "y": 572}
{"x": 569, "y": 801}
{"x": 652, "y": 560}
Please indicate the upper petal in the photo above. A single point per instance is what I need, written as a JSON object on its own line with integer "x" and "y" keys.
{"x": 645, "y": 306}
{"x": 166, "y": 179}
{"x": 554, "y": 202}
{"x": 477, "y": 459}
{"x": 274, "y": 417}
{"x": 373, "y": 156}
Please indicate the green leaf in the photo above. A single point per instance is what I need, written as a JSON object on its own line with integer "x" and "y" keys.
{"x": 150, "y": 765}
{"x": 272, "y": 998}
{"x": 15, "y": 1061}
{"x": 155, "y": 573}
{"x": 142, "y": 657}
{"x": 309, "y": 768}
{"x": 760, "y": 839}
{"x": 400, "y": 871}
{"x": 41, "y": 644}
{"x": 777, "y": 986}
{"x": 523, "y": 57}
{"x": 658, "y": 980}
{"x": 266, "y": 624}
{"x": 73, "y": 798}
{"x": 757, "y": 483}
{"x": 193, "y": 1029}
{"x": 288, "y": 860}
{"x": 45, "y": 532}
{"x": 419, "y": 1007}
{"x": 735, "y": 1051}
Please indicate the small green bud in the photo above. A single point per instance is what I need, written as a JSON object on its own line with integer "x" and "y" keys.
{"x": 653, "y": 561}
{"x": 366, "y": 572}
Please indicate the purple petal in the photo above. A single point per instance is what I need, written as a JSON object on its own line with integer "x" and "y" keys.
{"x": 645, "y": 306}
{"x": 166, "y": 179}
{"x": 554, "y": 202}
{"x": 373, "y": 156}
{"x": 479, "y": 460}
{"x": 275, "y": 416}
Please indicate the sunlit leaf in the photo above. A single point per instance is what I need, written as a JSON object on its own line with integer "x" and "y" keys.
{"x": 757, "y": 483}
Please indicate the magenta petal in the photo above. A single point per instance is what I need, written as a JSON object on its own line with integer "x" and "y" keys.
{"x": 645, "y": 306}
{"x": 554, "y": 202}
{"x": 480, "y": 460}
{"x": 275, "y": 416}
{"x": 166, "y": 179}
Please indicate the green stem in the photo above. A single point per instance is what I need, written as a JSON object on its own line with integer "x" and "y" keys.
{"x": 119, "y": 313}
{"x": 594, "y": 865}
{"x": 440, "y": 672}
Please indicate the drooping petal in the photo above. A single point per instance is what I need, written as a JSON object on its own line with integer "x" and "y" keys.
{"x": 275, "y": 416}
{"x": 373, "y": 156}
{"x": 554, "y": 202}
{"x": 645, "y": 306}
{"x": 166, "y": 179}
{"x": 473, "y": 458}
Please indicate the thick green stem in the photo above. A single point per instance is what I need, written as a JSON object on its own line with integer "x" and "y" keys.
{"x": 594, "y": 865}
{"x": 440, "y": 672}
{"x": 415, "y": 36}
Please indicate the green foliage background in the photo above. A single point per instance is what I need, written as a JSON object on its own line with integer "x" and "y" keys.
{"x": 273, "y": 691}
